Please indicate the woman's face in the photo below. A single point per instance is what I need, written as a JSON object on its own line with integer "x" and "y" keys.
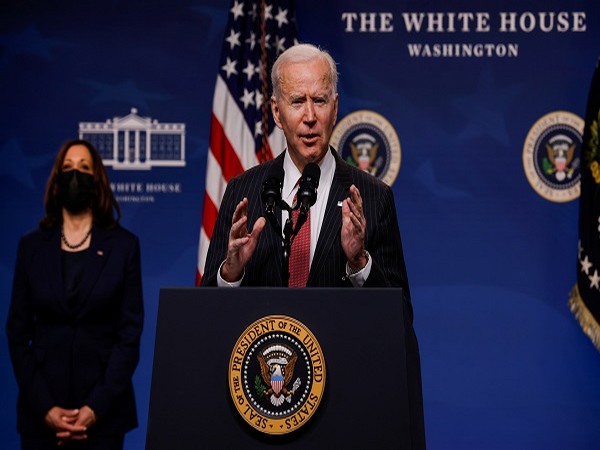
{"x": 78, "y": 157}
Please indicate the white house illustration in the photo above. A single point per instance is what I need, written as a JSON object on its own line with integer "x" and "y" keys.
{"x": 136, "y": 143}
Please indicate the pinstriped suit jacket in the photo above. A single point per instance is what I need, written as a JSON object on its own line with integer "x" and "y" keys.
{"x": 328, "y": 268}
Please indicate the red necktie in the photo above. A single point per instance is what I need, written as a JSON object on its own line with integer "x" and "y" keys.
{"x": 300, "y": 252}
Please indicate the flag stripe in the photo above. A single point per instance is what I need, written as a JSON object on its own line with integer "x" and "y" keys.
{"x": 215, "y": 183}
{"x": 223, "y": 152}
{"x": 204, "y": 242}
{"x": 209, "y": 217}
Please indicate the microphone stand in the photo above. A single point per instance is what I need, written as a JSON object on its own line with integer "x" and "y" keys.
{"x": 287, "y": 248}
{"x": 286, "y": 242}
{"x": 270, "y": 213}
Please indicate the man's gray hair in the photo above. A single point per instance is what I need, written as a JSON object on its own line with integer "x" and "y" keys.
{"x": 302, "y": 53}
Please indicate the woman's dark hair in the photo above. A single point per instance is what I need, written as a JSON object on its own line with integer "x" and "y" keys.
{"x": 104, "y": 204}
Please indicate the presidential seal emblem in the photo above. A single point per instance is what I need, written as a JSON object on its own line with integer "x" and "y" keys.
{"x": 551, "y": 156}
{"x": 368, "y": 141}
{"x": 277, "y": 374}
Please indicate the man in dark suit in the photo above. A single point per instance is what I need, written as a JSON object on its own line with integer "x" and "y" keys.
{"x": 354, "y": 235}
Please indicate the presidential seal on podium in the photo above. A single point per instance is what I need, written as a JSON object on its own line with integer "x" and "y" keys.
{"x": 277, "y": 374}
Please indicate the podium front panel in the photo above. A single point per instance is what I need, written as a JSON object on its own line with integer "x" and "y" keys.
{"x": 362, "y": 336}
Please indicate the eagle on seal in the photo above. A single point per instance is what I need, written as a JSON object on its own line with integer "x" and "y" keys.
{"x": 278, "y": 373}
{"x": 560, "y": 156}
{"x": 364, "y": 154}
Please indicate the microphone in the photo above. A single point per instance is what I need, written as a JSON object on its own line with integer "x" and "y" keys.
{"x": 271, "y": 188}
{"x": 307, "y": 189}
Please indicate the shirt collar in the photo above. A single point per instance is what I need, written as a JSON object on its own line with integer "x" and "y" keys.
{"x": 292, "y": 174}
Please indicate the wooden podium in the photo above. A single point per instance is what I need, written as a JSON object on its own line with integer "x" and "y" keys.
{"x": 372, "y": 397}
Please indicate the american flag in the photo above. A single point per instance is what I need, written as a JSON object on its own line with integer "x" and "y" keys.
{"x": 242, "y": 131}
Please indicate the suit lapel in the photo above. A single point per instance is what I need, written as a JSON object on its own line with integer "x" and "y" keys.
{"x": 273, "y": 248}
{"x": 53, "y": 263}
{"x": 332, "y": 222}
{"x": 99, "y": 253}
{"x": 272, "y": 236}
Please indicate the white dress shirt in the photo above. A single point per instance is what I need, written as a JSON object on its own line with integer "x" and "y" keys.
{"x": 317, "y": 211}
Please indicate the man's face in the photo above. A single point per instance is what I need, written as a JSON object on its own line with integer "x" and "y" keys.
{"x": 306, "y": 110}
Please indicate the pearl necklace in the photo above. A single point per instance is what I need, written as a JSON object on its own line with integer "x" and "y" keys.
{"x": 73, "y": 246}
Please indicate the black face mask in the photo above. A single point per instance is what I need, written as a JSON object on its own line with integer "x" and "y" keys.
{"x": 75, "y": 190}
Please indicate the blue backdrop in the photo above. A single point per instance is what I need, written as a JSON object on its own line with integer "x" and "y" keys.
{"x": 490, "y": 259}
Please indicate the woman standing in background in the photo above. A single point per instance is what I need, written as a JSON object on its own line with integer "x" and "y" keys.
{"x": 76, "y": 313}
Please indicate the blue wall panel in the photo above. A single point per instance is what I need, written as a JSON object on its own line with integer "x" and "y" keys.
{"x": 490, "y": 260}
